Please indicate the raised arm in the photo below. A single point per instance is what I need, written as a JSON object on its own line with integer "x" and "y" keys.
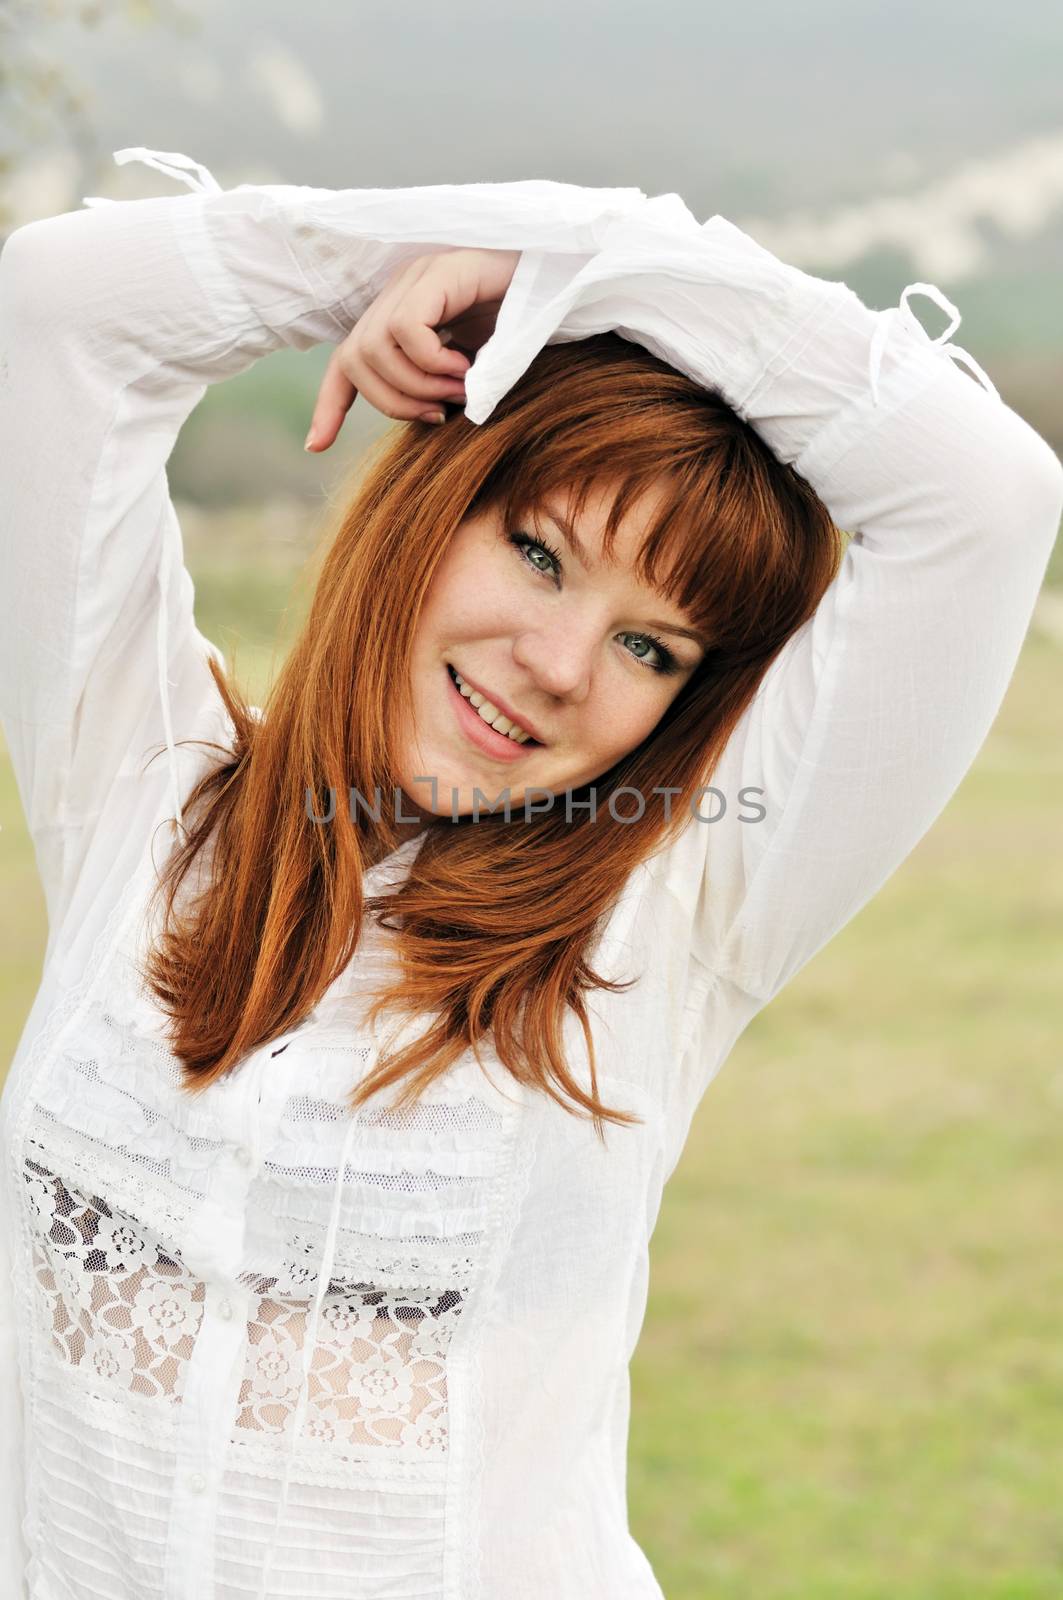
{"x": 113, "y": 320}
{"x": 869, "y": 718}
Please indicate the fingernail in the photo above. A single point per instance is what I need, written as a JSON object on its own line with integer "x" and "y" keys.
{"x": 433, "y": 416}
{"x": 311, "y": 440}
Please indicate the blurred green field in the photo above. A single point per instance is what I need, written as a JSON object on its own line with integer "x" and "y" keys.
{"x": 850, "y": 1380}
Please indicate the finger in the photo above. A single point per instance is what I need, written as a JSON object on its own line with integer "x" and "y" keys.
{"x": 432, "y": 301}
{"x": 395, "y": 367}
{"x": 411, "y": 330}
{"x": 335, "y": 398}
{"x": 462, "y": 291}
{"x": 393, "y": 401}
{"x": 416, "y": 295}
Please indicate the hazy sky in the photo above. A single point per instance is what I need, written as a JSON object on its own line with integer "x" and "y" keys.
{"x": 882, "y": 140}
{"x": 763, "y": 106}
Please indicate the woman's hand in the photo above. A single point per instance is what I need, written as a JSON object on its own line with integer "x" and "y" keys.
{"x": 394, "y": 355}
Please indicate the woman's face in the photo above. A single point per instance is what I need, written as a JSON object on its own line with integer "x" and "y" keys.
{"x": 565, "y": 648}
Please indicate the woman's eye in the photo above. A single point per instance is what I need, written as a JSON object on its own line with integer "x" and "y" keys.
{"x": 535, "y": 551}
{"x": 524, "y": 544}
{"x": 666, "y": 661}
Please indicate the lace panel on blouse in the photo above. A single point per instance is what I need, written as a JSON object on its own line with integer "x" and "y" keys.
{"x": 118, "y": 1172}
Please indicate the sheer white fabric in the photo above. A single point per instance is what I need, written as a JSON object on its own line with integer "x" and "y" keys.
{"x": 250, "y": 1344}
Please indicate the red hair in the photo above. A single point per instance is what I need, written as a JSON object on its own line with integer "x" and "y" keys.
{"x": 495, "y": 921}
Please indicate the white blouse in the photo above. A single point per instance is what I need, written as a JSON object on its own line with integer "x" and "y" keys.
{"x": 250, "y": 1344}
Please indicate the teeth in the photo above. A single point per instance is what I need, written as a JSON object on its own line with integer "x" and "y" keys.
{"x": 489, "y": 713}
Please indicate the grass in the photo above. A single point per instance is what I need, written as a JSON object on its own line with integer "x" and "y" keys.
{"x": 850, "y": 1379}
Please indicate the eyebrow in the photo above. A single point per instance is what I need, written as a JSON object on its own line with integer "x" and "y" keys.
{"x": 568, "y": 533}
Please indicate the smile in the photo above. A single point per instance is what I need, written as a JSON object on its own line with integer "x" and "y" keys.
{"x": 477, "y": 726}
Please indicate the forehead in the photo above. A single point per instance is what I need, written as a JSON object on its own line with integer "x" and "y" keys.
{"x": 583, "y": 518}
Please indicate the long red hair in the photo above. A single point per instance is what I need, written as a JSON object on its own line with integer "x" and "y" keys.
{"x": 495, "y": 921}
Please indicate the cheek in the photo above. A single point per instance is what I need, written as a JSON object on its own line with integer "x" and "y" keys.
{"x": 625, "y": 720}
{"x": 633, "y": 725}
{"x": 466, "y": 598}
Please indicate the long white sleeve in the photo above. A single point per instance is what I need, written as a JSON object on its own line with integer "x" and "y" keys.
{"x": 113, "y": 320}
{"x": 869, "y": 718}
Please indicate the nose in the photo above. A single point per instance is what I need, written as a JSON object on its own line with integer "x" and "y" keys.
{"x": 557, "y": 653}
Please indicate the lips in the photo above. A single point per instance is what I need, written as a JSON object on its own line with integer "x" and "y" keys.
{"x": 500, "y": 705}
{"x": 495, "y": 745}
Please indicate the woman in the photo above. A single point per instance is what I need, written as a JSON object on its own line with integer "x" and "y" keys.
{"x": 298, "y": 1304}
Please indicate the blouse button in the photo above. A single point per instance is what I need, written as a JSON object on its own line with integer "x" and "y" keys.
{"x": 243, "y": 1155}
{"x": 197, "y": 1483}
{"x": 225, "y": 1309}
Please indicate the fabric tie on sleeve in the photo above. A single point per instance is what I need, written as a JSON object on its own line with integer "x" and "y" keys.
{"x": 903, "y": 314}
{"x": 174, "y": 165}
{"x": 197, "y": 177}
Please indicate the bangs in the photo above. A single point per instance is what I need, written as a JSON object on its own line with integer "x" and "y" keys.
{"x": 696, "y": 514}
{"x": 726, "y": 528}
